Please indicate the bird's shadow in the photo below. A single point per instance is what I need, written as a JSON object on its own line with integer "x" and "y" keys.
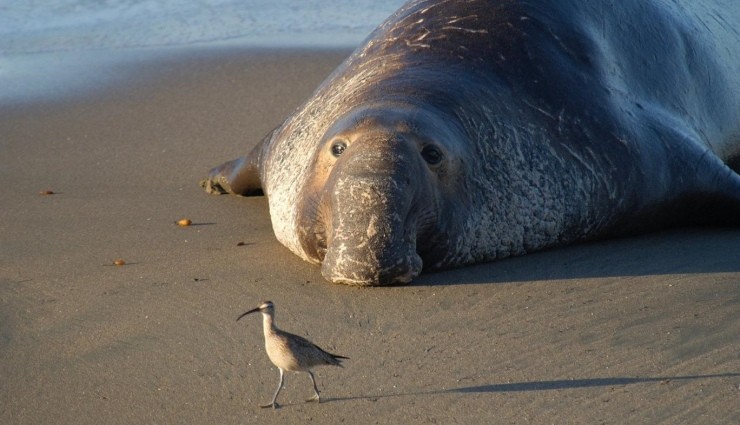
{"x": 561, "y": 384}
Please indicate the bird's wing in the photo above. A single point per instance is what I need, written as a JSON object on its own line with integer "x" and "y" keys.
{"x": 297, "y": 342}
{"x": 301, "y": 344}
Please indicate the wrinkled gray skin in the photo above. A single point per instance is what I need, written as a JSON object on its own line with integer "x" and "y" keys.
{"x": 463, "y": 132}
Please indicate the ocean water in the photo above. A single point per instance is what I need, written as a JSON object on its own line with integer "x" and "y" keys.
{"x": 28, "y": 26}
{"x": 47, "y": 47}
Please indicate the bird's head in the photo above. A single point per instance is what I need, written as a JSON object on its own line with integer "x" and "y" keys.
{"x": 266, "y": 307}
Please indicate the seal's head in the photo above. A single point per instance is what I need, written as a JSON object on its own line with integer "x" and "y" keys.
{"x": 383, "y": 195}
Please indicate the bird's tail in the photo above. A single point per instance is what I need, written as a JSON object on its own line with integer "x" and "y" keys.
{"x": 337, "y": 359}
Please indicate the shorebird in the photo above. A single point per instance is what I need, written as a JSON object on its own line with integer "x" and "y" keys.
{"x": 291, "y": 352}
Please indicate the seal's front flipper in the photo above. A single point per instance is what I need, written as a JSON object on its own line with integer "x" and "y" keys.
{"x": 240, "y": 176}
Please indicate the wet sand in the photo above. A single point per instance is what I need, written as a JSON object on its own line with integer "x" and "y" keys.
{"x": 636, "y": 330}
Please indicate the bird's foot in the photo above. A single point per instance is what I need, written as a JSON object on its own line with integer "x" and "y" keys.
{"x": 273, "y": 405}
{"x": 315, "y": 398}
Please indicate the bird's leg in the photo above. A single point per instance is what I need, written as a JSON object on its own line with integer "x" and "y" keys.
{"x": 273, "y": 403}
{"x": 316, "y": 396}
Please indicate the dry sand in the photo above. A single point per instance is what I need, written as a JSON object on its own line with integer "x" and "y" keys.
{"x": 642, "y": 330}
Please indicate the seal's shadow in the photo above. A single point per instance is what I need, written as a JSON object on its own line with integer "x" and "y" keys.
{"x": 677, "y": 251}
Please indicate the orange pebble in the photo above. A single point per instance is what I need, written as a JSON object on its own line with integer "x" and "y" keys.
{"x": 119, "y": 262}
{"x": 46, "y": 192}
{"x": 185, "y": 222}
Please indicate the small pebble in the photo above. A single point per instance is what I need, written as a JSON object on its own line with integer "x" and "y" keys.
{"x": 46, "y": 192}
{"x": 119, "y": 262}
{"x": 184, "y": 222}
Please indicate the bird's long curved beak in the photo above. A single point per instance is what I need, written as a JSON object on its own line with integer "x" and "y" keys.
{"x": 254, "y": 310}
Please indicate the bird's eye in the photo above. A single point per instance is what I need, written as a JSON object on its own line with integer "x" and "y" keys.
{"x": 431, "y": 154}
{"x": 337, "y": 148}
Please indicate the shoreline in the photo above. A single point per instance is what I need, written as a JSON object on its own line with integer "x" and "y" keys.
{"x": 57, "y": 76}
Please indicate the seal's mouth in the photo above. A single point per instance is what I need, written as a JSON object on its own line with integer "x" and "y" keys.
{"x": 392, "y": 266}
{"x": 314, "y": 213}
{"x": 400, "y": 274}
{"x": 370, "y": 268}
{"x": 320, "y": 245}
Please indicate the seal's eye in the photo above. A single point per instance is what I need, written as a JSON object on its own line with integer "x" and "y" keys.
{"x": 431, "y": 154}
{"x": 338, "y": 147}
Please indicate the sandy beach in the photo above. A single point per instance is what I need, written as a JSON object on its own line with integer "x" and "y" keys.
{"x": 642, "y": 330}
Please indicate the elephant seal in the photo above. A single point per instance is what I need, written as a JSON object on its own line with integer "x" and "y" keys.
{"x": 468, "y": 131}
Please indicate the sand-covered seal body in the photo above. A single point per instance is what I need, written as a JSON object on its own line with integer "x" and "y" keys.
{"x": 468, "y": 131}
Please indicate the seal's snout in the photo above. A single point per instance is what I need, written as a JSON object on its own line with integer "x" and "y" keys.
{"x": 373, "y": 232}
{"x": 372, "y": 241}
